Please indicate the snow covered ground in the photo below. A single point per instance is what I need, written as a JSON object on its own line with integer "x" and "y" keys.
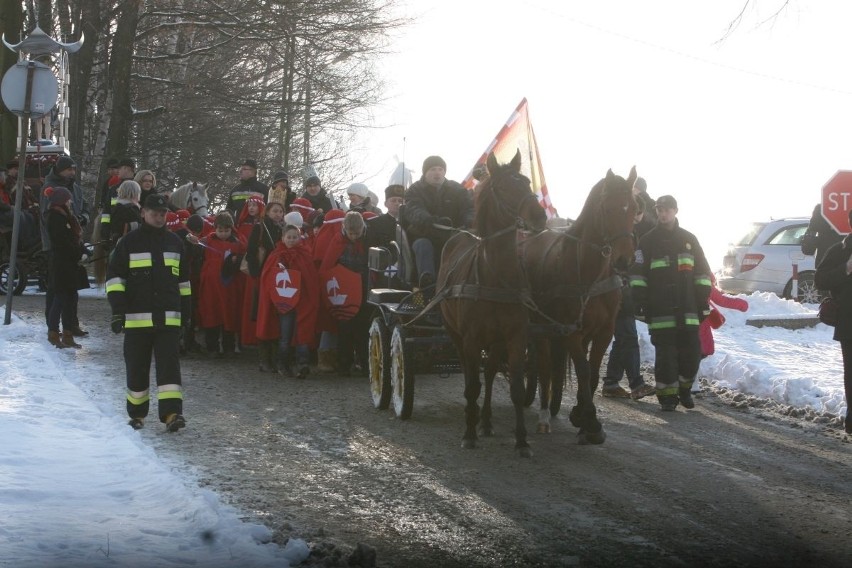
{"x": 79, "y": 488}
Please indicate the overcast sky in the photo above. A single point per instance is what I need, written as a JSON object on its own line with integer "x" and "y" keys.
{"x": 737, "y": 129}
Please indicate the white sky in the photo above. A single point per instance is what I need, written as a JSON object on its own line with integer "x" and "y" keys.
{"x": 738, "y": 131}
{"x": 80, "y": 488}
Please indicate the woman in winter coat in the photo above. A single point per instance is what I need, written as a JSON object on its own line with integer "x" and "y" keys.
{"x": 66, "y": 273}
{"x": 297, "y": 326}
{"x": 835, "y": 274}
{"x": 126, "y": 214}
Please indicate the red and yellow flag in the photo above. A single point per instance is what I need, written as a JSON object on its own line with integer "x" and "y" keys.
{"x": 517, "y": 134}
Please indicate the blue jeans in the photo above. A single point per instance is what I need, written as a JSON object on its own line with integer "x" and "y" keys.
{"x": 288, "y": 330}
{"x": 624, "y": 355}
{"x": 424, "y": 256}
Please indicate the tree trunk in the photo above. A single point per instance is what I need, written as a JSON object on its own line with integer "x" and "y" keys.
{"x": 121, "y": 64}
{"x": 10, "y": 25}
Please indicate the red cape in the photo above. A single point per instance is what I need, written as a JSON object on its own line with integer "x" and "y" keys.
{"x": 298, "y": 258}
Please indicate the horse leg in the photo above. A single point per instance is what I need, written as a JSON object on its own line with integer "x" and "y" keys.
{"x": 599, "y": 347}
{"x": 517, "y": 360}
{"x": 584, "y": 414}
{"x": 558, "y": 366}
{"x": 471, "y": 359}
{"x": 544, "y": 381}
{"x": 496, "y": 355}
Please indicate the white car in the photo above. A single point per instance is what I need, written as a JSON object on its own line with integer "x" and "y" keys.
{"x": 763, "y": 259}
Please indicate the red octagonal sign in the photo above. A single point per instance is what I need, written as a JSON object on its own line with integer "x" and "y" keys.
{"x": 837, "y": 201}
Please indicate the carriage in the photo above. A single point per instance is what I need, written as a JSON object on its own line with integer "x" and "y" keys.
{"x": 494, "y": 312}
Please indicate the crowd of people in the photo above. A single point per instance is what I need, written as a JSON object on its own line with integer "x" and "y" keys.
{"x": 257, "y": 277}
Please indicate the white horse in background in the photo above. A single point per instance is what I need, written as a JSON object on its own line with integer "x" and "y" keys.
{"x": 191, "y": 196}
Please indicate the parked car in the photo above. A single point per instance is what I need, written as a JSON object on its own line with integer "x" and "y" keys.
{"x": 762, "y": 261}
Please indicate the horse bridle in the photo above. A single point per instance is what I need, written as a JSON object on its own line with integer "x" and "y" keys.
{"x": 520, "y": 224}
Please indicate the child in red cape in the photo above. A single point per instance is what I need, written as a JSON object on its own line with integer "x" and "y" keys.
{"x": 298, "y": 326}
{"x": 715, "y": 320}
{"x": 250, "y": 215}
{"x": 219, "y": 301}
{"x": 326, "y": 324}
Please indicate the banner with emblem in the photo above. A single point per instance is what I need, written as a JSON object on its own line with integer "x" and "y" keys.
{"x": 284, "y": 288}
{"x": 341, "y": 291}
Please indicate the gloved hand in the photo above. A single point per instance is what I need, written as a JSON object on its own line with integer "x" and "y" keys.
{"x": 83, "y": 220}
{"x": 117, "y": 323}
{"x": 446, "y": 221}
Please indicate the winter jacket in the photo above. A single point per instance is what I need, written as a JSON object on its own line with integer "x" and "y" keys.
{"x": 220, "y": 300}
{"x": 831, "y": 275}
{"x": 148, "y": 279}
{"x": 125, "y": 217}
{"x": 241, "y": 192}
{"x": 425, "y": 204}
{"x": 79, "y": 206}
{"x": 65, "y": 272}
{"x": 322, "y": 200}
{"x": 819, "y": 237}
{"x": 670, "y": 280}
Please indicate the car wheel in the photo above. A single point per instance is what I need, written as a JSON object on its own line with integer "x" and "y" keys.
{"x": 807, "y": 290}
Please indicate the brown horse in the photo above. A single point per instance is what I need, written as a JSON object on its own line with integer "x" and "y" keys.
{"x": 484, "y": 290}
{"x": 576, "y": 288}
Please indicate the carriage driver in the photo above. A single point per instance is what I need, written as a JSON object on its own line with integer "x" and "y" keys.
{"x": 430, "y": 201}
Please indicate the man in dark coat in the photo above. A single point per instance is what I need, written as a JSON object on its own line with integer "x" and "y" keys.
{"x": 819, "y": 237}
{"x": 645, "y": 201}
{"x": 670, "y": 280}
{"x": 63, "y": 174}
{"x": 430, "y": 201}
{"x": 319, "y": 198}
{"x": 247, "y": 187}
{"x": 833, "y": 274}
{"x": 126, "y": 168}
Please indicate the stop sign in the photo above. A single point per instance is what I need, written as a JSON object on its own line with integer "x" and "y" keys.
{"x": 837, "y": 201}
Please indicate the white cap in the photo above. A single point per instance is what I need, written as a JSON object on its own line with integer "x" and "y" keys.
{"x": 358, "y": 189}
{"x": 294, "y": 218}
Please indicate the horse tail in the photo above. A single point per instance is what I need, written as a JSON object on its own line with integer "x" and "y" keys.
{"x": 98, "y": 254}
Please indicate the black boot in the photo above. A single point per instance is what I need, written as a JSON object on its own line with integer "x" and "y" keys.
{"x": 685, "y": 397}
{"x": 668, "y": 402}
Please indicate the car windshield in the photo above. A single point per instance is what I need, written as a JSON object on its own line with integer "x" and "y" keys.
{"x": 789, "y": 235}
{"x": 749, "y": 237}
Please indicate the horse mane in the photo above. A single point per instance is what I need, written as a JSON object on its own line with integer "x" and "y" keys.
{"x": 593, "y": 200}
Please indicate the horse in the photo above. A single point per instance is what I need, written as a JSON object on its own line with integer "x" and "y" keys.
{"x": 482, "y": 289}
{"x": 191, "y": 196}
{"x": 577, "y": 292}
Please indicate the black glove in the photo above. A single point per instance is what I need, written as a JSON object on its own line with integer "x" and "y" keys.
{"x": 446, "y": 221}
{"x": 117, "y": 323}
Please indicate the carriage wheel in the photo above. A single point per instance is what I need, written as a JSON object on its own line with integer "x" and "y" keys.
{"x": 380, "y": 364}
{"x": 18, "y": 284}
{"x": 402, "y": 374}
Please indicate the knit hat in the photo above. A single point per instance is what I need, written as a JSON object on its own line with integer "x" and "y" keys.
{"x": 640, "y": 184}
{"x": 433, "y": 161}
{"x": 250, "y": 163}
{"x": 313, "y": 180}
{"x": 57, "y": 195}
{"x": 127, "y": 162}
{"x": 280, "y": 176}
{"x": 394, "y": 191}
{"x": 368, "y": 215}
{"x": 256, "y": 199}
{"x": 294, "y": 218}
{"x": 334, "y": 216}
{"x": 173, "y": 221}
{"x": 358, "y": 189}
{"x": 63, "y": 163}
{"x": 303, "y": 206}
{"x": 112, "y": 163}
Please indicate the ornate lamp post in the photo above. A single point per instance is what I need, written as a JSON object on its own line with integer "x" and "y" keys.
{"x": 29, "y": 90}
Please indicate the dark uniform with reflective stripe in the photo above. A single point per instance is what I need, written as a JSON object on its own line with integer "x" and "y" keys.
{"x": 148, "y": 283}
{"x": 670, "y": 281}
{"x": 241, "y": 192}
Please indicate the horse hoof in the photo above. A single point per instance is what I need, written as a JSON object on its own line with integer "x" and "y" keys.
{"x": 543, "y": 429}
{"x": 586, "y": 438}
{"x": 525, "y": 452}
{"x": 468, "y": 444}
